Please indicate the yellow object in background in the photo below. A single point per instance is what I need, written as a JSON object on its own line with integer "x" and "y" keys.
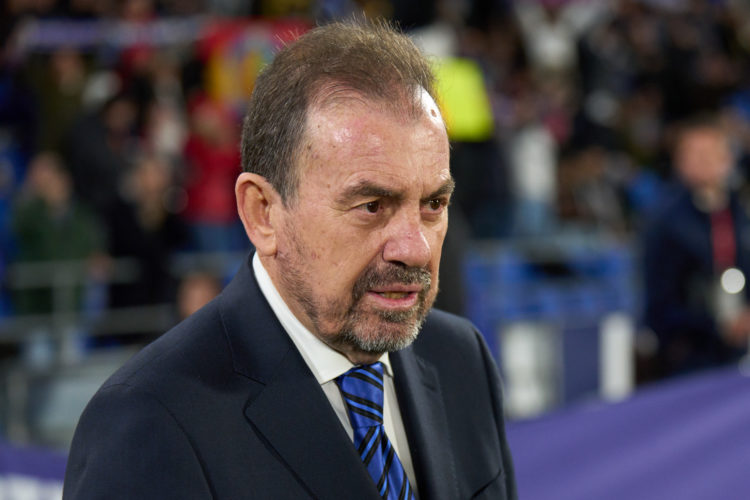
{"x": 233, "y": 65}
{"x": 235, "y": 51}
{"x": 463, "y": 100}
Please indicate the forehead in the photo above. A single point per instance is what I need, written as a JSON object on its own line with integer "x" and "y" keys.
{"x": 702, "y": 137}
{"x": 350, "y": 137}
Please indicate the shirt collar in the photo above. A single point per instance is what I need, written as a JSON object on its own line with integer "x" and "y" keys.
{"x": 325, "y": 363}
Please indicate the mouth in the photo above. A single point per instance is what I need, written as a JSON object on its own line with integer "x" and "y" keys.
{"x": 393, "y": 295}
{"x": 392, "y": 289}
{"x": 396, "y": 296}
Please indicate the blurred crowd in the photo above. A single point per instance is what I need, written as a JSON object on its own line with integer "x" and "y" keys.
{"x": 119, "y": 120}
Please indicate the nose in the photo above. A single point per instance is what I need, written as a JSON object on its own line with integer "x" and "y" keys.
{"x": 407, "y": 242}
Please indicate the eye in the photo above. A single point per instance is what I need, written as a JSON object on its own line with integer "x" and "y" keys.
{"x": 436, "y": 204}
{"x": 372, "y": 207}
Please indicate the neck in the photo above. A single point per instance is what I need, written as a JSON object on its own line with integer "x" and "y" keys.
{"x": 711, "y": 198}
{"x": 361, "y": 358}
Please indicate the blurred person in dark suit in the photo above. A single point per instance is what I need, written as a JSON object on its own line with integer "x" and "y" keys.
{"x": 698, "y": 310}
{"x": 99, "y": 148}
{"x": 260, "y": 394}
{"x": 143, "y": 225}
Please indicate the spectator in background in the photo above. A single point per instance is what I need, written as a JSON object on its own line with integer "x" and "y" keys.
{"x": 693, "y": 239}
{"x": 98, "y": 149}
{"x": 59, "y": 82}
{"x": 532, "y": 153}
{"x": 212, "y": 165}
{"x": 592, "y": 190}
{"x": 50, "y": 224}
{"x": 18, "y": 119}
{"x": 196, "y": 290}
{"x": 144, "y": 226}
{"x": 165, "y": 127}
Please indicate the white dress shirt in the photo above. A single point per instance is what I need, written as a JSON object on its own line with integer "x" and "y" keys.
{"x": 327, "y": 364}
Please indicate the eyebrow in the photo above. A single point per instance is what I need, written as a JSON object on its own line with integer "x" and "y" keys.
{"x": 367, "y": 189}
{"x": 446, "y": 189}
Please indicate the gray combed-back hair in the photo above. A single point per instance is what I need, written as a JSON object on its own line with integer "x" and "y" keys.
{"x": 370, "y": 58}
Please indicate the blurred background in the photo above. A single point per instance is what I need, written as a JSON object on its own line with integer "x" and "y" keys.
{"x": 598, "y": 234}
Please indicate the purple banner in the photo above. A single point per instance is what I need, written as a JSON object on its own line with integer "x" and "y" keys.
{"x": 686, "y": 439}
{"x": 30, "y": 474}
{"x": 40, "y": 463}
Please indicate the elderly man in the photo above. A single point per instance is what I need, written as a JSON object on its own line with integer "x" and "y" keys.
{"x": 319, "y": 372}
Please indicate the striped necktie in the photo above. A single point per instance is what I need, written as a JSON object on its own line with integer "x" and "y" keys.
{"x": 362, "y": 389}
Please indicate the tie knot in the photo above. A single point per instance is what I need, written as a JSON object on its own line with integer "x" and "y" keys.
{"x": 362, "y": 390}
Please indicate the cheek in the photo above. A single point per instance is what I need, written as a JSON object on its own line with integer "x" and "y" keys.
{"x": 336, "y": 262}
{"x": 436, "y": 243}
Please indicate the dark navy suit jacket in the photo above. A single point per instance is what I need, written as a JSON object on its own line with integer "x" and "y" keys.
{"x": 223, "y": 406}
{"x": 679, "y": 279}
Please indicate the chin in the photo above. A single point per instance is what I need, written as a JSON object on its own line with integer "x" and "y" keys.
{"x": 380, "y": 338}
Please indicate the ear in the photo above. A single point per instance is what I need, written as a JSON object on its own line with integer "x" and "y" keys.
{"x": 255, "y": 200}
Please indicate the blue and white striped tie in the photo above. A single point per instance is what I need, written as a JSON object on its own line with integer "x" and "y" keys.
{"x": 362, "y": 389}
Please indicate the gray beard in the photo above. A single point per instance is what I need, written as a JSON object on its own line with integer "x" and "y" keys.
{"x": 384, "y": 343}
{"x": 351, "y": 334}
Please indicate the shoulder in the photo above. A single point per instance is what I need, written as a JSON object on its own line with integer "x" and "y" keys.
{"x": 446, "y": 332}
{"x": 674, "y": 216}
{"x": 674, "y": 199}
{"x": 740, "y": 205}
{"x": 121, "y": 434}
{"x": 454, "y": 345}
{"x": 444, "y": 320}
{"x": 193, "y": 351}
{"x": 145, "y": 414}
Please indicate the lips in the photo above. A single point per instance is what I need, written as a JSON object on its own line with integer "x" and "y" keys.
{"x": 396, "y": 296}
{"x": 392, "y": 288}
{"x": 396, "y": 291}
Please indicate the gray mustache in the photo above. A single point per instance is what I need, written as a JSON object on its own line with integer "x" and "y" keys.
{"x": 391, "y": 275}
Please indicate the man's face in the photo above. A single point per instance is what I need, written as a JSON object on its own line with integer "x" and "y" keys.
{"x": 703, "y": 158}
{"x": 359, "y": 248}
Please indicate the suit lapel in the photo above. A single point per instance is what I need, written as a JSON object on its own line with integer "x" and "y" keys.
{"x": 288, "y": 409}
{"x": 423, "y": 412}
{"x": 297, "y": 421}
